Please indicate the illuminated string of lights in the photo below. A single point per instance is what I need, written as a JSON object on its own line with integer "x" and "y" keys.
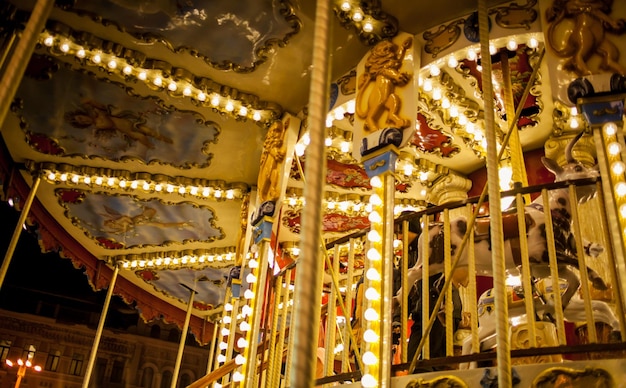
{"x": 197, "y": 258}
{"x": 617, "y": 170}
{"x": 372, "y": 295}
{"x": 115, "y": 59}
{"x": 139, "y": 182}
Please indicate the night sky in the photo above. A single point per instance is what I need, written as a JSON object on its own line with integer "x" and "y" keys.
{"x": 34, "y": 278}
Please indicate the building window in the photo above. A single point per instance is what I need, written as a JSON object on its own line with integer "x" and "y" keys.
{"x": 147, "y": 378}
{"x": 117, "y": 372}
{"x": 5, "y": 345}
{"x": 52, "y": 362}
{"x": 28, "y": 353}
{"x": 155, "y": 331}
{"x": 166, "y": 380}
{"x": 76, "y": 366}
{"x": 184, "y": 380}
{"x": 174, "y": 335}
{"x": 100, "y": 369}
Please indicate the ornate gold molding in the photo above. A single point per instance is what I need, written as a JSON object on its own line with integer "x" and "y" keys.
{"x": 562, "y": 376}
{"x": 516, "y": 16}
{"x": 383, "y": 25}
{"x": 448, "y": 381}
{"x": 89, "y": 50}
{"x": 284, "y": 8}
{"x": 450, "y": 188}
{"x": 584, "y": 150}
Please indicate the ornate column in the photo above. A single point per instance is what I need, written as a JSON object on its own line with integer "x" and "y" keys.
{"x": 450, "y": 188}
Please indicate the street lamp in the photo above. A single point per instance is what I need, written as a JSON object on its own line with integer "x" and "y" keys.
{"x": 22, "y": 366}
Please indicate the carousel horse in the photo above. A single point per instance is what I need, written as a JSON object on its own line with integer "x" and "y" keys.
{"x": 560, "y": 209}
{"x": 573, "y": 312}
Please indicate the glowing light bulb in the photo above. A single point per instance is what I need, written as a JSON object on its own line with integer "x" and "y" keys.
{"x": 370, "y": 336}
{"x": 369, "y": 381}
{"x": 614, "y": 148}
{"x": 610, "y": 129}
{"x": 373, "y": 254}
{"x": 370, "y": 358}
{"x": 376, "y": 182}
{"x": 371, "y": 314}
{"x": 372, "y": 294}
{"x": 620, "y": 189}
{"x": 618, "y": 167}
{"x": 373, "y": 275}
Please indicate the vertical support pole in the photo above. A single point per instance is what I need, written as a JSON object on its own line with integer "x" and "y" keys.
{"x": 515, "y": 145}
{"x": 283, "y": 320}
{"x": 183, "y": 337}
{"x": 331, "y": 317}
{"x": 18, "y": 229}
{"x": 96, "y": 341}
{"x": 347, "y": 338}
{"x": 257, "y": 301}
{"x": 275, "y": 358}
{"x": 611, "y": 133}
{"x": 584, "y": 277}
{"x": 425, "y": 291}
{"x": 497, "y": 243}
{"x": 554, "y": 273}
{"x": 406, "y": 288}
{"x": 471, "y": 290}
{"x": 308, "y": 276}
{"x": 212, "y": 347}
{"x": 447, "y": 269}
{"x": 16, "y": 66}
{"x": 387, "y": 291}
{"x": 380, "y": 166}
{"x": 526, "y": 276}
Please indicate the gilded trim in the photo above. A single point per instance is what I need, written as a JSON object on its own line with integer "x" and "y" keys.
{"x": 561, "y": 376}
{"x": 284, "y": 8}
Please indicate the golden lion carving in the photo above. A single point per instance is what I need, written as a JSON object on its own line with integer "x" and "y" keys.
{"x": 590, "y": 23}
{"x": 382, "y": 70}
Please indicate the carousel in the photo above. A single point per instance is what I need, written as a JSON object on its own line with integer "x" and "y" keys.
{"x": 359, "y": 193}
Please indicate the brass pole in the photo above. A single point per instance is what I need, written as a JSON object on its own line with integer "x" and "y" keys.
{"x": 18, "y": 229}
{"x": 497, "y": 243}
{"x": 12, "y": 76}
{"x": 307, "y": 307}
{"x": 183, "y": 336}
{"x": 96, "y": 341}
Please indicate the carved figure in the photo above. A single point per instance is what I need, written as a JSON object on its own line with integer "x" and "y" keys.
{"x": 382, "y": 73}
{"x": 274, "y": 152}
{"x": 591, "y": 21}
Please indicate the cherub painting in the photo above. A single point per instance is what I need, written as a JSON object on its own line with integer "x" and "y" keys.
{"x": 108, "y": 121}
{"x": 77, "y": 114}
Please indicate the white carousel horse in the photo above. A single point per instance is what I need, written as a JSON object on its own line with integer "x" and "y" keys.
{"x": 560, "y": 210}
{"x": 573, "y": 312}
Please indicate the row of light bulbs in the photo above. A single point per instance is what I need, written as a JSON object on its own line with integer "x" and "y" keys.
{"x": 173, "y": 260}
{"x": 366, "y": 22}
{"x": 371, "y": 335}
{"x": 145, "y": 182}
{"x": 355, "y": 207}
{"x": 617, "y": 167}
{"x": 155, "y": 78}
{"x": 249, "y": 296}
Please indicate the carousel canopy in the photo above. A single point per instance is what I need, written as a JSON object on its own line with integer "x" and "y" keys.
{"x": 140, "y": 125}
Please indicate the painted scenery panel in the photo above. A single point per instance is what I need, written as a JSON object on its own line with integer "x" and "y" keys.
{"x": 209, "y": 284}
{"x": 251, "y": 26}
{"x": 74, "y": 114}
{"x": 127, "y": 222}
